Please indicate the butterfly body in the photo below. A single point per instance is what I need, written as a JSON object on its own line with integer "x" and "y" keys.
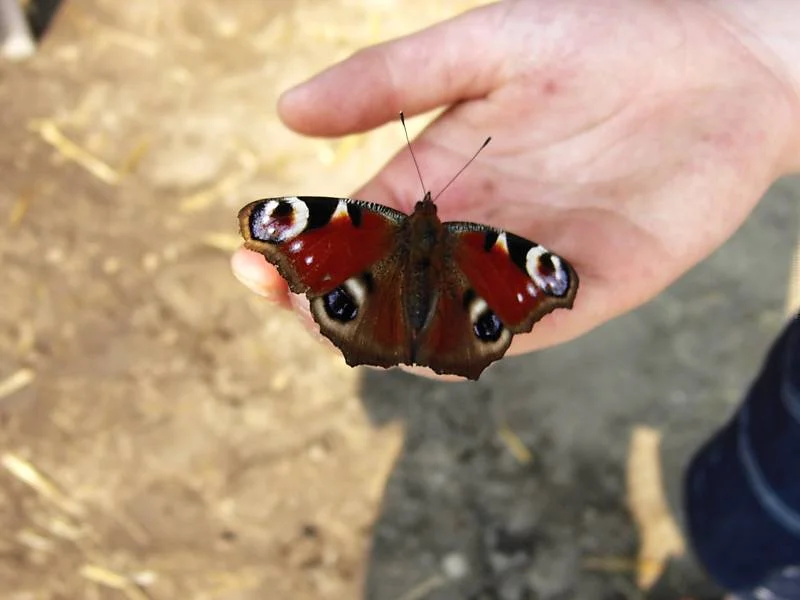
{"x": 389, "y": 288}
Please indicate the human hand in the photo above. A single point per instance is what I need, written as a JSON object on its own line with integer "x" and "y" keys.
{"x": 632, "y": 138}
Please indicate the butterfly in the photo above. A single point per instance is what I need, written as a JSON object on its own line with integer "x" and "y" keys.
{"x": 389, "y": 288}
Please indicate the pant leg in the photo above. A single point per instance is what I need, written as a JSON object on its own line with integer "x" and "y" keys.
{"x": 742, "y": 492}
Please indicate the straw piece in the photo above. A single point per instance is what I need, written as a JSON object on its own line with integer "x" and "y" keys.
{"x": 660, "y": 536}
{"x": 20, "y": 208}
{"x": 15, "y": 382}
{"x": 51, "y": 134}
{"x": 30, "y": 475}
{"x": 424, "y": 588}
{"x": 111, "y": 579}
{"x": 227, "y": 242}
{"x": 515, "y": 446}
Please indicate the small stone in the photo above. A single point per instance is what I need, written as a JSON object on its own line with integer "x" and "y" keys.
{"x": 455, "y": 565}
{"x": 145, "y": 578}
{"x": 150, "y": 261}
{"x": 111, "y": 265}
{"x": 54, "y": 255}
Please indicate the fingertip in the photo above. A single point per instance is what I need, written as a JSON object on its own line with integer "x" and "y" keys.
{"x": 258, "y": 275}
{"x": 331, "y": 103}
{"x": 429, "y": 373}
{"x": 291, "y": 106}
{"x": 370, "y": 87}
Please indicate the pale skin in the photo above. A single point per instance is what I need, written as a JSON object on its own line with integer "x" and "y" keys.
{"x": 632, "y": 137}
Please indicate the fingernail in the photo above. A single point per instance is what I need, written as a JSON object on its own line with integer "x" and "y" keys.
{"x": 291, "y": 94}
{"x": 254, "y": 285}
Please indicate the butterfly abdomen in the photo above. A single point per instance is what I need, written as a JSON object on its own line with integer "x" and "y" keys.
{"x": 424, "y": 261}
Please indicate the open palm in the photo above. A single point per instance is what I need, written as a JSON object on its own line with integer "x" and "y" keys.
{"x": 632, "y": 137}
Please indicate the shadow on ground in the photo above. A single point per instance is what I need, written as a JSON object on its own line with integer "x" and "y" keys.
{"x": 679, "y": 364}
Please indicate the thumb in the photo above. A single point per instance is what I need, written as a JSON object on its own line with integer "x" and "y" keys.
{"x": 438, "y": 66}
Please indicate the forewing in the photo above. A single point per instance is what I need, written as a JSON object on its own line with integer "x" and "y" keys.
{"x": 343, "y": 254}
{"x": 520, "y": 280}
{"x": 317, "y": 243}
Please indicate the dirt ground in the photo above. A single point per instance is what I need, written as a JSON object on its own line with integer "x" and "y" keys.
{"x": 165, "y": 434}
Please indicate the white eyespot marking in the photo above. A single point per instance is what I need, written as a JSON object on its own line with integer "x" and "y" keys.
{"x": 341, "y": 211}
{"x": 309, "y": 260}
{"x": 477, "y": 307}
{"x": 280, "y": 220}
{"x": 504, "y": 339}
{"x": 357, "y": 289}
{"x": 502, "y": 242}
{"x": 547, "y": 271}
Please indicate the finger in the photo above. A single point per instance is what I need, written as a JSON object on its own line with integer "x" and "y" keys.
{"x": 259, "y": 276}
{"x": 439, "y": 66}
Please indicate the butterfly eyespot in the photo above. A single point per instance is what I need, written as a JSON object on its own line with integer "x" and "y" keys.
{"x": 488, "y": 327}
{"x": 340, "y": 305}
{"x": 547, "y": 271}
{"x": 284, "y": 209}
{"x": 277, "y": 221}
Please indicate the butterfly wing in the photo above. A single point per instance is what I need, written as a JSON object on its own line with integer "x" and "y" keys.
{"x": 350, "y": 258}
{"x": 344, "y": 256}
{"x": 449, "y": 343}
{"x": 498, "y": 284}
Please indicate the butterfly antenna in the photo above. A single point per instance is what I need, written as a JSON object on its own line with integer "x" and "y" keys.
{"x": 410, "y": 149}
{"x": 461, "y": 170}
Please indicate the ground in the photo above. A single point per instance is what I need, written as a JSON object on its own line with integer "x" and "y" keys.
{"x": 166, "y": 434}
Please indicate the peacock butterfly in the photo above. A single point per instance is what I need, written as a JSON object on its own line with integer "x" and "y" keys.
{"x": 389, "y": 288}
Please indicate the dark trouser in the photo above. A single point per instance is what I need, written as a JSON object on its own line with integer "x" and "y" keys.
{"x": 742, "y": 491}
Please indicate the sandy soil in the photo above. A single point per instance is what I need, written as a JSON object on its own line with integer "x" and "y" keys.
{"x": 165, "y": 434}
